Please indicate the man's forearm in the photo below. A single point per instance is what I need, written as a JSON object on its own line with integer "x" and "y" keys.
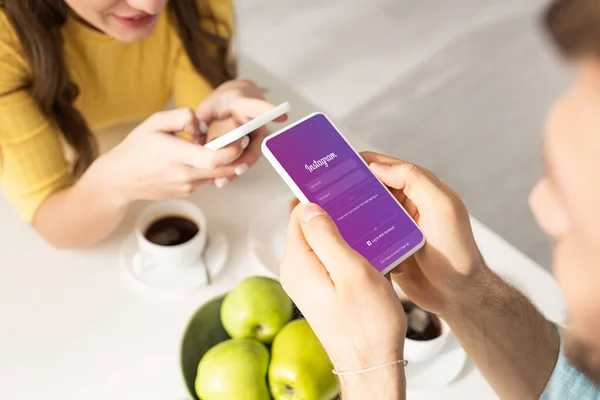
{"x": 387, "y": 383}
{"x": 81, "y": 215}
{"x": 509, "y": 340}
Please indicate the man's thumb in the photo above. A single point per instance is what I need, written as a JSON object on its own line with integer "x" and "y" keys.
{"x": 323, "y": 236}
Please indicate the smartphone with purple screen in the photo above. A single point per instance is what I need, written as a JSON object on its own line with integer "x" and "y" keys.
{"x": 320, "y": 166}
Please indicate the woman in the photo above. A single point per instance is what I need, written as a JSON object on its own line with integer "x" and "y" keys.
{"x": 71, "y": 67}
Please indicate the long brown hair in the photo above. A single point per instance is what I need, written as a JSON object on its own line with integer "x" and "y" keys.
{"x": 574, "y": 26}
{"x": 37, "y": 24}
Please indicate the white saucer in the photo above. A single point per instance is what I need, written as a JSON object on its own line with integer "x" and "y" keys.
{"x": 179, "y": 277}
{"x": 440, "y": 370}
{"x": 267, "y": 232}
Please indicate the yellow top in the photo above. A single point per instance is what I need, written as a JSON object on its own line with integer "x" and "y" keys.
{"x": 118, "y": 83}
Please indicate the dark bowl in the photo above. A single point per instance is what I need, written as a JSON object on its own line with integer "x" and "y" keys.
{"x": 203, "y": 332}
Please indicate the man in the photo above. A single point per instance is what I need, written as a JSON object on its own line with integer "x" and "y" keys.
{"x": 357, "y": 316}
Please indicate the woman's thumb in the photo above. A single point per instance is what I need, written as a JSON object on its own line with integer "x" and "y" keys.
{"x": 206, "y": 111}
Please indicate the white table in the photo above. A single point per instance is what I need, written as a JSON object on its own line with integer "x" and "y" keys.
{"x": 76, "y": 326}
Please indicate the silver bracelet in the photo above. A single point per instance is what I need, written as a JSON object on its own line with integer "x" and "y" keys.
{"x": 362, "y": 371}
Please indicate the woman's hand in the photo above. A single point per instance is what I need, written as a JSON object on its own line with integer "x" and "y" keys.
{"x": 152, "y": 163}
{"x": 442, "y": 273}
{"x": 352, "y": 308}
{"x": 231, "y": 105}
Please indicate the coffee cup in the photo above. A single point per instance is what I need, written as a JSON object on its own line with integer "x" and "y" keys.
{"x": 426, "y": 333}
{"x": 170, "y": 234}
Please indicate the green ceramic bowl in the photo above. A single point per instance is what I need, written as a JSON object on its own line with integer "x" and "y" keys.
{"x": 203, "y": 332}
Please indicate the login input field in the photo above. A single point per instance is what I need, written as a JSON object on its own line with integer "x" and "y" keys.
{"x": 331, "y": 176}
{"x": 341, "y": 187}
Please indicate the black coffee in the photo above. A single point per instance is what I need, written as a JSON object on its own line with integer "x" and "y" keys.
{"x": 171, "y": 231}
{"x": 421, "y": 325}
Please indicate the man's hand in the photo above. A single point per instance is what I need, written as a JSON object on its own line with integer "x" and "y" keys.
{"x": 511, "y": 343}
{"x": 435, "y": 278}
{"x": 352, "y": 308}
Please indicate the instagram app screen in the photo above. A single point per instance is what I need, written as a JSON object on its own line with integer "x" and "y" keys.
{"x": 330, "y": 174}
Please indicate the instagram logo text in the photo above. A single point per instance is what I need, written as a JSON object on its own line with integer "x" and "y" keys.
{"x": 316, "y": 164}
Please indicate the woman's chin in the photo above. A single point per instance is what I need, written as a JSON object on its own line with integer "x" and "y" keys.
{"x": 126, "y": 34}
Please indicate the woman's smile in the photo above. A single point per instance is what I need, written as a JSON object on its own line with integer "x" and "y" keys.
{"x": 136, "y": 21}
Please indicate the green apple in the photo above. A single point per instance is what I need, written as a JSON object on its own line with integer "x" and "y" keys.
{"x": 300, "y": 367}
{"x": 257, "y": 308}
{"x": 234, "y": 369}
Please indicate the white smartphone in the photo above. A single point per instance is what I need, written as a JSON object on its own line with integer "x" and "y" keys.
{"x": 248, "y": 127}
{"x": 320, "y": 166}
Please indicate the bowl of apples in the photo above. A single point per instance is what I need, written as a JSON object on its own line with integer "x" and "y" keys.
{"x": 252, "y": 343}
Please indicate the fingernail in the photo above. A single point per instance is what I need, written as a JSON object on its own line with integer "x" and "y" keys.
{"x": 203, "y": 127}
{"x": 220, "y": 183}
{"x": 381, "y": 166}
{"x": 398, "y": 270}
{"x": 240, "y": 169}
{"x": 309, "y": 212}
{"x": 245, "y": 142}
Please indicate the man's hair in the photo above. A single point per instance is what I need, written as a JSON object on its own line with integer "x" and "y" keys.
{"x": 575, "y": 26}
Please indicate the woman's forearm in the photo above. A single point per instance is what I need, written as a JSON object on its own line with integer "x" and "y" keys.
{"x": 83, "y": 214}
